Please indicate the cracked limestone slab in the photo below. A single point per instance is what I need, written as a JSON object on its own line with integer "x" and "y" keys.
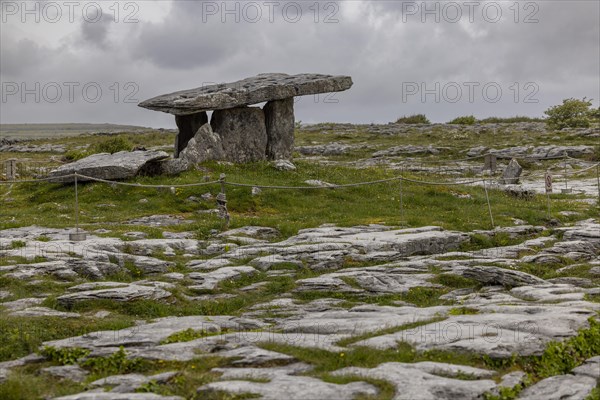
{"x": 498, "y": 331}
{"x": 560, "y": 387}
{"x": 418, "y": 382}
{"x": 152, "y": 334}
{"x": 359, "y": 319}
{"x": 210, "y": 280}
{"x": 283, "y": 386}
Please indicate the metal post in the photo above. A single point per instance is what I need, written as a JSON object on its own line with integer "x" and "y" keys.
{"x": 401, "y": 198}
{"x": 11, "y": 169}
{"x": 598, "y": 181}
{"x": 566, "y": 189}
{"x": 77, "y": 236}
{"x": 487, "y": 198}
{"x": 222, "y": 202}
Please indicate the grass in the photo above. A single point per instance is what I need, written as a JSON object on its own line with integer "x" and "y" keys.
{"x": 20, "y": 336}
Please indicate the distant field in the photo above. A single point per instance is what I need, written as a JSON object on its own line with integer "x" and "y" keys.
{"x": 42, "y": 131}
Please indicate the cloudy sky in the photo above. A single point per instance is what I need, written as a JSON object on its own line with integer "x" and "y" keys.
{"x": 94, "y": 61}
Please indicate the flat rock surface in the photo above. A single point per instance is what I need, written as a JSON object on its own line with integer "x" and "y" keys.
{"x": 121, "y": 165}
{"x": 421, "y": 382}
{"x": 254, "y": 90}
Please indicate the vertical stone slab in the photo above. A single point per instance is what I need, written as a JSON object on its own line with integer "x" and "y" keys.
{"x": 279, "y": 120}
{"x": 243, "y": 133}
{"x": 188, "y": 125}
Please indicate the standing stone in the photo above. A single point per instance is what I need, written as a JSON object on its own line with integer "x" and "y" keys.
{"x": 511, "y": 174}
{"x": 188, "y": 126}
{"x": 243, "y": 133}
{"x": 279, "y": 119}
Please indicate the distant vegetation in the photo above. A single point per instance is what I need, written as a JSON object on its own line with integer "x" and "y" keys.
{"x": 509, "y": 120}
{"x": 572, "y": 113}
{"x": 466, "y": 120}
{"x": 112, "y": 145}
{"x": 413, "y": 119}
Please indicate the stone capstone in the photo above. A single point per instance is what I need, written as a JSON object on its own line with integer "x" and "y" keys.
{"x": 254, "y": 90}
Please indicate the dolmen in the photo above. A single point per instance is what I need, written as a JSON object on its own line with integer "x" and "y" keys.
{"x": 237, "y": 132}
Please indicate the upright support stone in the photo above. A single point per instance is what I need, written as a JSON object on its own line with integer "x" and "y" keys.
{"x": 279, "y": 120}
{"x": 188, "y": 125}
{"x": 243, "y": 133}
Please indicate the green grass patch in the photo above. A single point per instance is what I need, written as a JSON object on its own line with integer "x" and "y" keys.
{"x": 20, "y": 336}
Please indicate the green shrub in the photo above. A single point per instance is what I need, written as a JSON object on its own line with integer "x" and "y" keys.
{"x": 413, "y": 119}
{"x": 116, "y": 363}
{"x": 572, "y": 113}
{"x": 74, "y": 155}
{"x": 509, "y": 120}
{"x": 64, "y": 356}
{"x": 17, "y": 244}
{"x": 113, "y": 145}
{"x": 466, "y": 120}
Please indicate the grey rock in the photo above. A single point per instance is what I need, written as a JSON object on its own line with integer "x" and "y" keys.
{"x": 243, "y": 133}
{"x": 210, "y": 280}
{"x": 188, "y": 125}
{"x": 279, "y": 120}
{"x": 150, "y": 335}
{"x": 489, "y": 275}
{"x": 560, "y": 387}
{"x": 258, "y": 232}
{"x": 22, "y": 304}
{"x": 256, "y": 191}
{"x": 121, "y": 165}
{"x": 283, "y": 386}
{"x": 159, "y": 220}
{"x": 43, "y": 312}
{"x": 204, "y": 146}
{"x": 254, "y": 90}
{"x": 415, "y": 382}
{"x": 512, "y": 173}
{"x": 329, "y": 149}
{"x": 116, "y": 396}
{"x": 319, "y": 183}
{"x": 130, "y": 382}
{"x": 549, "y": 152}
{"x": 359, "y": 319}
{"x": 497, "y": 330}
{"x": 284, "y": 165}
{"x": 403, "y": 150}
{"x": 549, "y": 292}
{"x": 120, "y": 294}
{"x": 512, "y": 379}
{"x": 72, "y": 372}
{"x": 512, "y": 152}
{"x": 590, "y": 368}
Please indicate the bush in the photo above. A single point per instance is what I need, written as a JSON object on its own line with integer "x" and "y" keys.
{"x": 572, "y": 113}
{"x": 413, "y": 119}
{"x": 113, "y": 145}
{"x": 509, "y": 120}
{"x": 466, "y": 120}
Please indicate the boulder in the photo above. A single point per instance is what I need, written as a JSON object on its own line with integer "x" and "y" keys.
{"x": 243, "y": 133}
{"x": 489, "y": 275}
{"x": 205, "y": 145}
{"x": 511, "y": 174}
{"x": 121, "y": 165}
{"x": 254, "y": 90}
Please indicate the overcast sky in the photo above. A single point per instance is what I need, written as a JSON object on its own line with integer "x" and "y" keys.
{"x": 442, "y": 59}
